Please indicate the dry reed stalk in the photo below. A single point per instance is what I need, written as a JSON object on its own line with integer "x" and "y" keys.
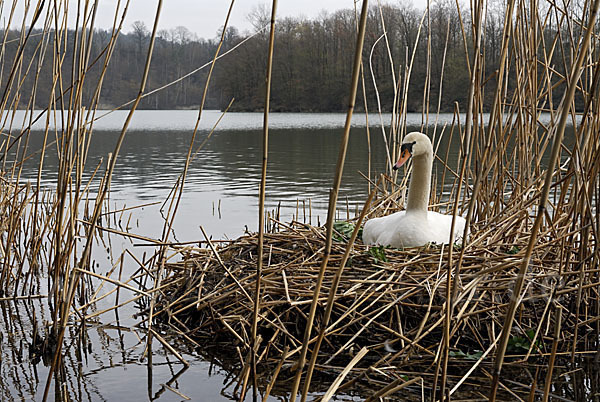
{"x": 394, "y": 386}
{"x": 556, "y": 336}
{"x": 261, "y": 201}
{"x": 402, "y": 302}
{"x": 170, "y": 348}
{"x": 290, "y": 286}
{"x": 177, "y": 191}
{"x": 333, "y": 197}
{"x": 179, "y": 186}
{"x": 276, "y": 373}
{"x": 183, "y": 77}
{"x": 366, "y": 106}
{"x": 476, "y": 72}
{"x": 335, "y": 385}
{"x": 49, "y": 216}
{"x": 41, "y": 225}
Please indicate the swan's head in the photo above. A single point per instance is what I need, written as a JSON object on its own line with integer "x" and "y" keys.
{"x": 414, "y": 144}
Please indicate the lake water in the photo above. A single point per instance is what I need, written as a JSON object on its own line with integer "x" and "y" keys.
{"x": 221, "y": 196}
{"x": 222, "y": 185}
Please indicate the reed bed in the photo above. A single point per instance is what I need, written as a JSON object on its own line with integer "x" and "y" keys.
{"x": 521, "y": 290}
{"x": 390, "y": 301}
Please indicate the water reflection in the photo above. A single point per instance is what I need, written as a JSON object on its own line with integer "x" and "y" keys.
{"x": 185, "y": 120}
{"x": 101, "y": 362}
{"x": 227, "y": 172}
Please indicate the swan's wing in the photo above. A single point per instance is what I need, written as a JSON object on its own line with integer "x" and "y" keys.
{"x": 439, "y": 226}
{"x": 376, "y": 229}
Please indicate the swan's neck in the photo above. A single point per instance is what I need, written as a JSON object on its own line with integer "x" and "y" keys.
{"x": 420, "y": 183}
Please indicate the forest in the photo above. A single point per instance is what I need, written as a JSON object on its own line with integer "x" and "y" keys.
{"x": 424, "y": 53}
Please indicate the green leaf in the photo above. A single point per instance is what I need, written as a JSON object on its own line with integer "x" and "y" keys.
{"x": 514, "y": 250}
{"x": 469, "y": 356}
{"x": 378, "y": 253}
{"x": 343, "y": 231}
{"x": 518, "y": 344}
{"x": 475, "y": 356}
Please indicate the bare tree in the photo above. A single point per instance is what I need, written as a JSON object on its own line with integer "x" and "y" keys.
{"x": 182, "y": 35}
{"x": 140, "y": 33}
{"x": 259, "y": 16}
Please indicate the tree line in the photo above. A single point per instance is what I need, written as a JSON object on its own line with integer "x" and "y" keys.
{"x": 312, "y": 62}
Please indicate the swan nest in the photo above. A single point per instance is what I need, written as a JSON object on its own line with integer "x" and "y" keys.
{"x": 390, "y": 301}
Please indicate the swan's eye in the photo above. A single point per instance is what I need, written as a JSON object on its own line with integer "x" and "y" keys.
{"x": 408, "y": 147}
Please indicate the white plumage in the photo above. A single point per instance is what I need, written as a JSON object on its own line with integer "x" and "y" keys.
{"x": 416, "y": 226}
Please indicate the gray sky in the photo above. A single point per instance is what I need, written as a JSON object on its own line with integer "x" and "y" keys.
{"x": 204, "y": 17}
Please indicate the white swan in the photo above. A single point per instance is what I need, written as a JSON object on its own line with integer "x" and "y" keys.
{"x": 416, "y": 226}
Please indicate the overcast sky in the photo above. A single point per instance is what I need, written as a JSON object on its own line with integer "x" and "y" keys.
{"x": 204, "y": 17}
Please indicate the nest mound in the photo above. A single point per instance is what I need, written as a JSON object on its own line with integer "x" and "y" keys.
{"x": 392, "y": 301}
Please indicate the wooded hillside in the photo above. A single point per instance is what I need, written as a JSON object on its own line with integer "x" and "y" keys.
{"x": 311, "y": 68}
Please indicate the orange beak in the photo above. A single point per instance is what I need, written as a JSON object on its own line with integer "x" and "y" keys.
{"x": 403, "y": 158}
